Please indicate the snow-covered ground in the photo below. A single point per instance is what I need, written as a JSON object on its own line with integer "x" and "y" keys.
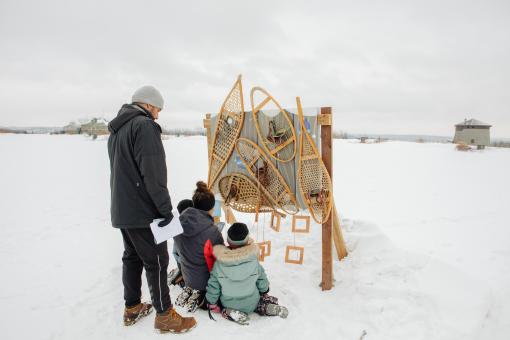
{"x": 427, "y": 228}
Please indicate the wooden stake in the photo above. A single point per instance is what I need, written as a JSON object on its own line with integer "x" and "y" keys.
{"x": 327, "y": 251}
{"x": 341, "y": 250}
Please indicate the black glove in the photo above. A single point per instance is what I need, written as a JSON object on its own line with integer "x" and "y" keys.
{"x": 166, "y": 221}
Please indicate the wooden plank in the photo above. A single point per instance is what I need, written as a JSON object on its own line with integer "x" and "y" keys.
{"x": 338, "y": 238}
{"x": 327, "y": 245}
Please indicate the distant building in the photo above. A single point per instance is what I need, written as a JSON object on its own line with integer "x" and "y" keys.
{"x": 72, "y": 129}
{"x": 472, "y": 132}
{"x": 95, "y": 127}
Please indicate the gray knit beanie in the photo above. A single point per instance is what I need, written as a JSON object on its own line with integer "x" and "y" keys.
{"x": 148, "y": 95}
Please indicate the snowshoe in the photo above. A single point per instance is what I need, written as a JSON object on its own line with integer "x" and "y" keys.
{"x": 236, "y": 316}
{"x": 195, "y": 301}
{"x": 277, "y": 310}
{"x": 183, "y": 297}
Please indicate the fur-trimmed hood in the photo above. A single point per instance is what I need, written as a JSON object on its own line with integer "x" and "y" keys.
{"x": 237, "y": 255}
{"x": 237, "y": 264}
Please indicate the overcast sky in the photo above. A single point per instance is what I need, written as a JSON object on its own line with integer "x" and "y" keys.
{"x": 414, "y": 67}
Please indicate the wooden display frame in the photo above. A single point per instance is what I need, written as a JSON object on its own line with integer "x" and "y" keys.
{"x": 301, "y": 250}
{"x": 331, "y": 229}
{"x": 275, "y": 217}
{"x": 264, "y": 249}
{"x": 295, "y": 228}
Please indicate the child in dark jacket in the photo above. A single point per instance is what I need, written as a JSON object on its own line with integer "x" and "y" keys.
{"x": 175, "y": 275}
{"x": 199, "y": 232}
{"x": 238, "y": 281}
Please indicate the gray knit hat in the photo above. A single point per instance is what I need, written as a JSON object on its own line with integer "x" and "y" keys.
{"x": 148, "y": 95}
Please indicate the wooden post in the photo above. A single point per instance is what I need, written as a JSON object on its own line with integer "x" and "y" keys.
{"x": 207, "y": 126}
{"x": 327, "y": 251}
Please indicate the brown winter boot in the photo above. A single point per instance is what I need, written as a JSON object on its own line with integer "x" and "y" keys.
{"x": 171, "y": 321}
{"x": 133, "y": 314}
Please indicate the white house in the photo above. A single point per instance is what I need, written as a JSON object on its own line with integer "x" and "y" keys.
{"x": 472, "y": 132}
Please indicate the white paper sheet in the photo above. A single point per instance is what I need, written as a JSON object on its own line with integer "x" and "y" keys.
{"x": 165, "y": 233}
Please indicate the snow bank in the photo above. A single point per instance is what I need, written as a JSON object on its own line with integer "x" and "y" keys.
{"x": 429, "y": 256}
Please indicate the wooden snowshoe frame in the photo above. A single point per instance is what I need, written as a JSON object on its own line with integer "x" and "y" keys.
{"x": 273, "y": 147}
{"x": 277, "y": 189}
{"x": 247, "y": 198}
{"x": 228, "y": 128}
{"x": 313, "y": 177}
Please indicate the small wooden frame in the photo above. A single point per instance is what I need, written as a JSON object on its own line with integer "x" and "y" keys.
{"x": 276, "y": 220}
{"x": 301, "y": 251}
{"x": 264, "y": 250}
{"x": 295, "y": 227}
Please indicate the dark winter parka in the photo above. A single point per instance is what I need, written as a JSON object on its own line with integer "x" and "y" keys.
{"x": 198, "y": 228}
{"x": 138, "y": 175}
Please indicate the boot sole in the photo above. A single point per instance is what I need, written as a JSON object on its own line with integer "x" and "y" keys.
{"x": 141, "y": 315}
{"x": 161, "y": 331}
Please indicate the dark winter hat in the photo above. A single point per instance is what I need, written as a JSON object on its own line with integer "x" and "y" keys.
{"x": 237, "y": 234}
{"x": 203, "y": 198}
{"x": 183, "y": 205}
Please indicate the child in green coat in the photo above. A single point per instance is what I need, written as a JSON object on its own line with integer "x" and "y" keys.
{"x": 238, "y": 282}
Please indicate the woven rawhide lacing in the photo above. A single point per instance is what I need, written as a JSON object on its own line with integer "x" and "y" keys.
{"x": 228, "y": 128}
{"x": 314, "y": 180}
{"x": 274, "y": 185}
{"x": 241, "y": 193}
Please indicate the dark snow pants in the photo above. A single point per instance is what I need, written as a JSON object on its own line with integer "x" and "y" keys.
{"x": 141, "y": 251}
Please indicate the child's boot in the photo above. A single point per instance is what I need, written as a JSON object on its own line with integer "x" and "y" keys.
{"x": 237, "y": 316}
{"x": 274, "y": 310}
{"x": 183, "y": 297}
{"x": 195, "y": 301}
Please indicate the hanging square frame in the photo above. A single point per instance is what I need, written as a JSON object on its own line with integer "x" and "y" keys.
{"x": 288, "y": 251}
{"x": 295, "y": 226}
{"x": 276, "y": 220}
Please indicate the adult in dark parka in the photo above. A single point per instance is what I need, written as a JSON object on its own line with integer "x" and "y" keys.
{"x": 139, "y": 194}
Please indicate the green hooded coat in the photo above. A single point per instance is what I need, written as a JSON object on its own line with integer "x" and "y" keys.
{"x": 237, "y": 278}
